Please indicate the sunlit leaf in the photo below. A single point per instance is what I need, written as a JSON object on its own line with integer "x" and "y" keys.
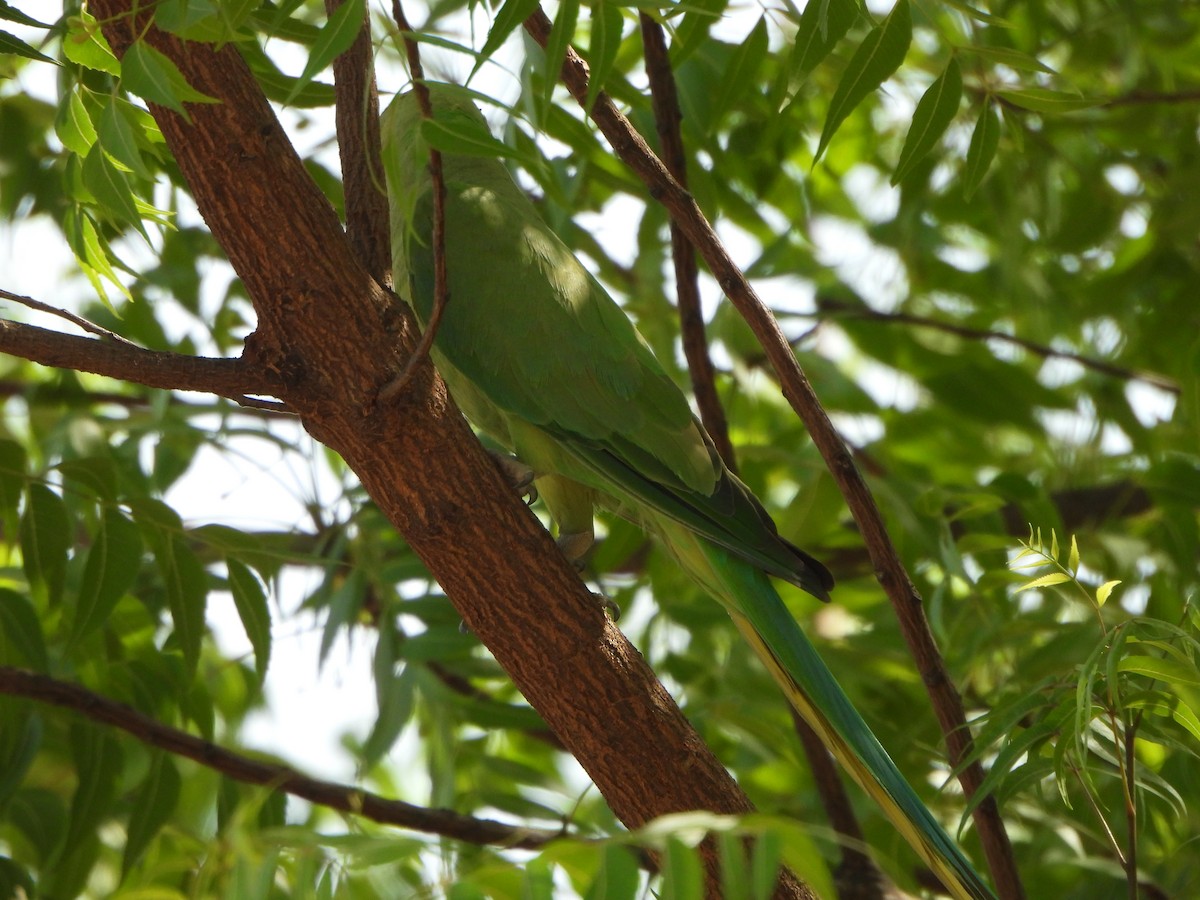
{"x": 877, "y": 57}
{"x": 934, "y": 113}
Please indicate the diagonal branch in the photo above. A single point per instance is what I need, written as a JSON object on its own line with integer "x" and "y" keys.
{"x": 231, "y": 378}
{"x": 632, "y": 149}
{"x": 344, "y": 798}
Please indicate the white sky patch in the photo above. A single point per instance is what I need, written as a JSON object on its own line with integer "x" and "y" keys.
{"x": 1150, "y": 404}
{"x": 876, "y": 273}
{"x": 868, "y": 187}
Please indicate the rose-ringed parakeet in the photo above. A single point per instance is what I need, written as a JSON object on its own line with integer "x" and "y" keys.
{"x": 540, "y": 358}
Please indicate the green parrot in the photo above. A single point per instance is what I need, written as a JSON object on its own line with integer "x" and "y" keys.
{"x": 540, "y": 358}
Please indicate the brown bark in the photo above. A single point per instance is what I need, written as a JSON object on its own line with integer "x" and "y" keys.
{"x": 334, "y": 338}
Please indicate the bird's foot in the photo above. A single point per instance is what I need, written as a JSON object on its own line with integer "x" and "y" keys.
{"x": 519, "y": 476}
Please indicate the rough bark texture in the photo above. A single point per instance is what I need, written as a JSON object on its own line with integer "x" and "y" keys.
{"x": 334, "y": 338}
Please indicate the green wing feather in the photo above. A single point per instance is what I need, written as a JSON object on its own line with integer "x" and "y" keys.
{"x": 539, "y": 356}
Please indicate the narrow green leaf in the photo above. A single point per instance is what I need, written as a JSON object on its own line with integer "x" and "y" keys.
{"x": 877, "y": 57}
{"x": 617, "y": 876}
{"x": 13, "y": 45}
{"x": 10, "y": 13}
{"x": 462, "y": 138}
{"x": 187, "y": 592}
{"x": 1005, "y": 56}
{"x": 765, "y": 862}
{"x": 73, "y": 125}
{"x": 251, "y": 602}
{"x": 111, "y": 189}
{"x": 984, "y": 141}
{"x": 97, "y": 759}
{"x": 1168, "y": 670}
{"x": 745, "y": 62}
{"x": 560, "y": 38}
{"x": 977, "y": 13}
{"x": 395, "y": 694}
{"x": 822, "y": 24}
{"x": 20, "y": 625}
{"x": 735, "y": 875}
{"x": 45, "y": 536}
{"x": 607, "y": 24}
{"x": 112, "y": 564}
{"x": 1054, "y": 545}
{"x": 155, "y": 801}
{"x": 683, "y": 877}
{"x": 335, "y": 38}
{"x": 1046, "y": 101}
{"x": 1044, "y": 581}
{"x": 1073, "y": 556}
{"x": 12, "y": 480}
{"x": 154, "y": 77}
{"x": 119, "y": 141}
{"x": 508, "y": 20}
{"x": 20, "y": 739}
{"x": 934, "y": 113}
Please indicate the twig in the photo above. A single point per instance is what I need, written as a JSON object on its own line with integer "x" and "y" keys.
{"x": 357, "y": 118}
{"x": 842, "y": 309}
{"x": 441, "y": 294}
{"x": 344, "y": 798}
{"x": 667, "y": 118}
{"x": 906, "y": 601}
{"x": 83, "y": 323}
{"x": 233, "y": 379}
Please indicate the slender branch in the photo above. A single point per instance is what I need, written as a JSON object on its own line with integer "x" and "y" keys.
{"x": 631, "y": 148}
{"x": 230, "y": 378}
{"x": 667, "y": 118}
{"x": 441, "y": 293}
{"x": 357, "y": 119}
{"x": 845, "y": 310}
{"x": 64, "y": 314}
{"x": 343, "y": 798}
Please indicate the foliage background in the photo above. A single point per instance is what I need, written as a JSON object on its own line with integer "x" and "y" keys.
{"x": 1005, "y": 336}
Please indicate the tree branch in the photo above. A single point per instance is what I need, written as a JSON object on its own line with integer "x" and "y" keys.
{"x": 840, "y": 309}
{"x": 632, "y": 149}
{"x": 343, "y": 798}
{"x": 230, "y": 378}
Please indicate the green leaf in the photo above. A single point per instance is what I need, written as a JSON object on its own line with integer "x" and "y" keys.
{"x": 20, "y": 740}
{"x": 683, "y": 877}
{"x": 745, "y": 62}
{"x": 1168, "y": 670}
{"x": 73, "y": 124}
{"x": 111, "y": 189}
{"x": 85, "y": 45}
{"x": 1005, "y": 56}
{"x": 822, "y": 24}
{"x": 10, "y": 13}
{"x": 156, "y": 799}
{"x": 154, "y": 77}
{"x": 45, "y": 536}
{"x": 984, "y": 141}
{"x": 561, "y": 34}
{"x": 12, "y": 480}
{"x": 617, "y": 876}
{"x": 119, "y": 141}
{"x": 607, "y": 24}
{"x": 251, "y": 602}
{"x": 395, "y": 694}
{"x": 112, "y": 564}
{"x": 877, "y": 57}
{"x": 508, "y": 20}
{"x": 933, "y": 115}
{"x": 1103, "y": 592}
{"x": 334, "y": 39}
{"x": 20, "y": 625}
{"x": 184, "y": 579}
{"x": 1046, "y": 101}
{"x": 13, "y": 45}
{"x": 765, "y": 862}
{"x": 1044, "y": 581}
{"x": 97, "y": 764}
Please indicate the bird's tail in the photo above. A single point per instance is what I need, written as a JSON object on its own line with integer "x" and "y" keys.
{"x": 764, "y": 621}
